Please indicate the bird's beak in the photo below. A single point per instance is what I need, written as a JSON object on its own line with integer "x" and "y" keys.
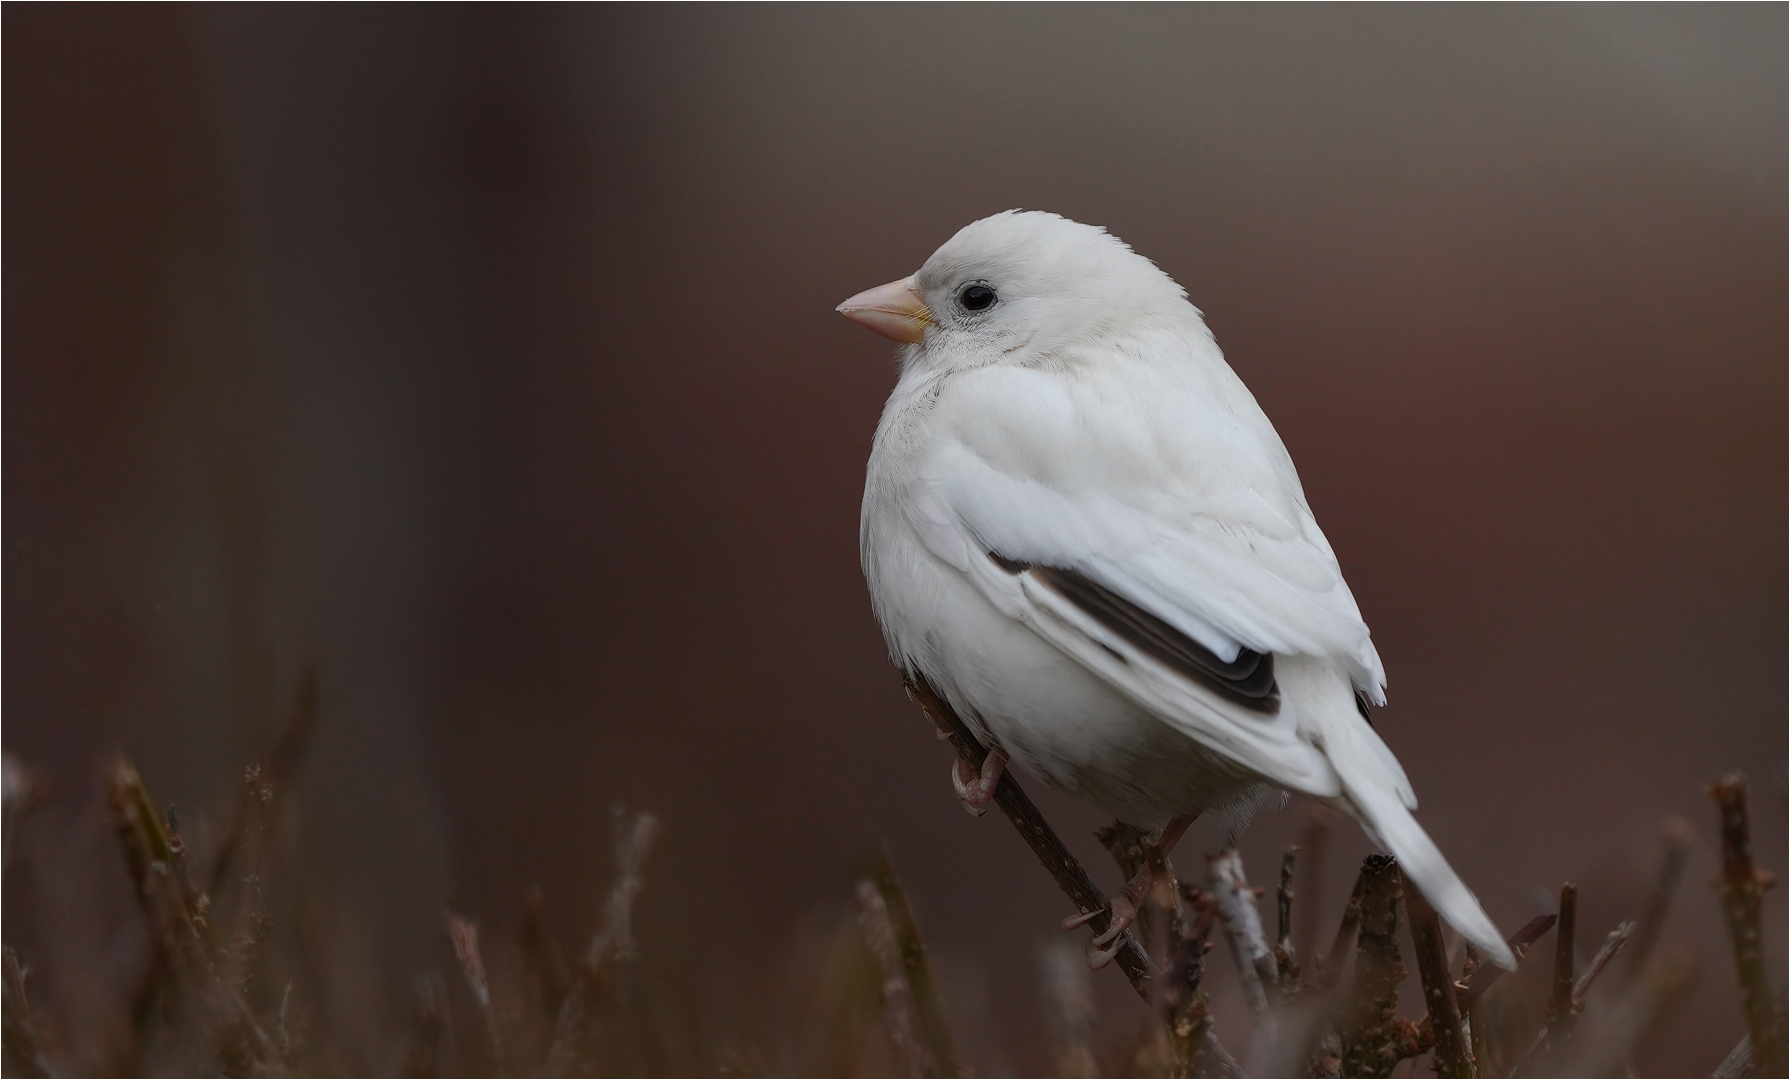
{"x": 894, "y": 310}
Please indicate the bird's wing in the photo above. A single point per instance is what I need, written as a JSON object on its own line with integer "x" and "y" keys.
{"x": 1149, "y": 523}
{"x": 1155, "y": 532}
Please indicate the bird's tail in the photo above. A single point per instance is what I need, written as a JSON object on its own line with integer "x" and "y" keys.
{"x": 1372, "y": 792}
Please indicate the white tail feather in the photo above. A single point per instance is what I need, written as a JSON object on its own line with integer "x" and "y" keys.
{"x": 1384, "y": 816}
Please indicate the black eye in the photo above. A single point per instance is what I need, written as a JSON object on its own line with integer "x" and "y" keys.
{"x": 976, "y": 297}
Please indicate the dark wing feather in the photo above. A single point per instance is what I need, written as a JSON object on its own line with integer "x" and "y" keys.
{"x": 1247, "y": 681}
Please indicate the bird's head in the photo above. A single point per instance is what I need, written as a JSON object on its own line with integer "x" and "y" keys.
{"x": 1022, "y": 287}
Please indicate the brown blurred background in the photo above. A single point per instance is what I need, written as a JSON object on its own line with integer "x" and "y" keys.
{"x": 485, "y": 358}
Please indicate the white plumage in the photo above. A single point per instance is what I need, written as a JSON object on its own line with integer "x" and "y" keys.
{"x": 1070, "y": 494}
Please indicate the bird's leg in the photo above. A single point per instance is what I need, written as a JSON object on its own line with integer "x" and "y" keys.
{"x": 976, "y": 789}
{"x": 1124, "y": 903}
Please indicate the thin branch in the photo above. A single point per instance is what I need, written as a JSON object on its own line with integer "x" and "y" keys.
{"x": 634, "y": 840}
{"x": 1242, "y": 928}
{"x": 1285, "y": 962}
{"x": 1062, "y": 866}
{"x": 1561, "y": 1010}
{"x": 1187, "y": 1013}
{"x": 1520, "y": 943}
{"x": 465, "y": 935}
{"x": 1453, "y": 1056}
{"x": 1227, "y": 1065}
{"x": 1740, "y": 1060}
{"x": 265, "y": 779}
{"x": 1606, "y": 952}
{"x": 1741, "y": 888}
{"x": 933, "y": 1029}
{"x": 899, "y": 1017}
{"x": 22, "y": 1050}
{"x": 1374, "y": 1038}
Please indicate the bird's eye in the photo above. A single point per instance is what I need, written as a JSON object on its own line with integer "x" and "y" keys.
{"x": 977, "y": 297}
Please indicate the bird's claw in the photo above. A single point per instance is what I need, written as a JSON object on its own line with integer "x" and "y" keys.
{"x": 1108, "y": 942}
{"x": 1124, "y": 911}
{"x": 975, "y": 789}
{"x": 1099, "y": 958}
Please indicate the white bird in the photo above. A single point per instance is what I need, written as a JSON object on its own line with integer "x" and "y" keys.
{"x": 1082, "y": 530}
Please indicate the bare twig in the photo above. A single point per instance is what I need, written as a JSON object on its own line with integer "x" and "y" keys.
{"x": 1374, "y": 1039}
{"x": 1606, "y": 952}
{"x": 1675, "y": 844}
{"x": 465, "y": 936}
{"x": 1561, "y": 1009}
{"x": 1062, "y": 866}
{"x": 165, "y": 906}
{"x": 1741, "y": 888}
{"x": 634, "y": 839}
{"x": 1187, "y": 1014}
{"x": 1286, "y": 964}
{"x": 21, "y": 1048}
{"x": 1520, "y": 943}
{"x": 1242, "y": 928}
{"x": 1453, "y": 1056}
{"x": 265, "y": 779}
{"x": 899, "y": 1017}
{"x": 1740, "y": 1060}
{"x": 1226, "y": 1064}
{"x": 933, "y": 1030}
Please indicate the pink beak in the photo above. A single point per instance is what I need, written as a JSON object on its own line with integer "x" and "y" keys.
{"x": 894, "y": 310}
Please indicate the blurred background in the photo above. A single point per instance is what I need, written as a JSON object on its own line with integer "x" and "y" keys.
{"x": 484, "y": 358}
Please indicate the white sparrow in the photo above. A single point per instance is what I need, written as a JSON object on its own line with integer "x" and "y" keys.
{"x": 1080, "y": 527}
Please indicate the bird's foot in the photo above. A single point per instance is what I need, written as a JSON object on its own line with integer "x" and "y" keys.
{"x": 975, "y": 790}
{"x": 1123, "y": 905}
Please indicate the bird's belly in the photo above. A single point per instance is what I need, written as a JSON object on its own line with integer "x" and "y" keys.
{"x": 1055, "y": 718}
